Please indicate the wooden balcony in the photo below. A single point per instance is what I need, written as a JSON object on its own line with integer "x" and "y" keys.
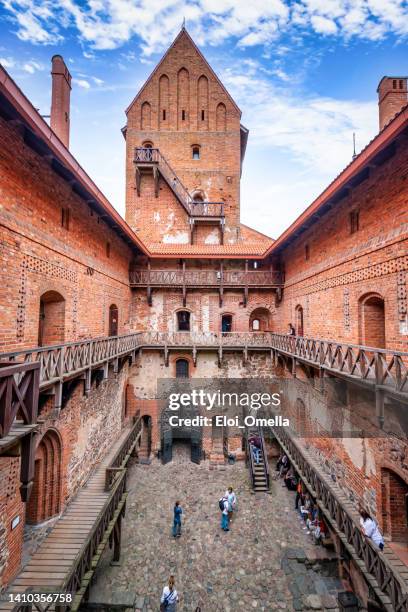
{"x": 19, "y": 389}
{"x": 220, "y": 280}
{"x": 381, "y": 370}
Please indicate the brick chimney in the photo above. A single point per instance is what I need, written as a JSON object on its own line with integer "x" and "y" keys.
{"x": 392, "y": 97}
{"x": 60, "y": 102}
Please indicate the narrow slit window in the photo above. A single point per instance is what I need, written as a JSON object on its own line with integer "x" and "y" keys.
{"x": 65, "y": 218}
{"x": 202, "y": 115}
{"x": 164, "y": 114}
{"x": 196, "y": 152}
{"x": 183, "y": 115}
{"x": 354, "y": 221}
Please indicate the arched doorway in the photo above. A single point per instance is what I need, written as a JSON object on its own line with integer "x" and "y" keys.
{"x": 299, "y": 320}
{"x": 226, "y": 323}
{"x": 372, "y": 320}
{"x": 113, "y": 320}
{"x": 394, "y": 507}
{"x": 259, "y": 320}
{"x": 51, "y": 327}
{"x": 45, "y": 499}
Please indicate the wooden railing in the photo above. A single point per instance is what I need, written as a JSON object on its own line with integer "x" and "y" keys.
{"x": 381, "y": 367}
{"x": 66, "y": 360}
{"x": 144, "y": 155}
{"x": 19, "y": 385}
{"x": 85, "y": 562}
{"x": 122, "y": 456}
{"x": 345, "y": 523}
{"x": 205, "y": 278}
{"x": 206, "y": 339}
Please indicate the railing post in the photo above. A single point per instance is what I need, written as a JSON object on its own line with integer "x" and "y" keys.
{"x": 88, "y": 373}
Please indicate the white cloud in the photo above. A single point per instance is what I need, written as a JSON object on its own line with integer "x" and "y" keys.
{"x": 7, "y": 62}
{"x": 32, "y": 66}
{"x": 108, "y": 24}
{"x": 81, "y": 83}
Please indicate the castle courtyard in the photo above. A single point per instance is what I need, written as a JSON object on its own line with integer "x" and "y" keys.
{"x": 265, "y": 562}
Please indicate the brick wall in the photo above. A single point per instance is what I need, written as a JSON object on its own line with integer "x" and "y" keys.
{"x": 40, "y": 256}
{"x": 344, "y": 269}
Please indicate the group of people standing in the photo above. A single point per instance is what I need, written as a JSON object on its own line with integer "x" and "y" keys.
{"x": 309, "y": 512}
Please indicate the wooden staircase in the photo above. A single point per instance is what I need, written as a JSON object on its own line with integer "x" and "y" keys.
{"x": 259, "y": 471}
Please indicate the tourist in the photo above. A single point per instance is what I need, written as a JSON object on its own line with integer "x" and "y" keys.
{"x": 255, "y": 443}
{"x": 306, "y": 507}
{"x": 178, "y": 511}
{"x": 224, "y": 513}
{"x": 299, "y": 494}
{"x": 290, "y": 479}
{"x": 169, "y": 598}
{"x": 284, "y": 466}
{"x": 232, "y": 502}
{"x": 291, "y": 330}
{"x": 370, "y": 529}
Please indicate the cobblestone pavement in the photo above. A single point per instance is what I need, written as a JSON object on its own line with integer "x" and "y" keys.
{"x": 265, "y": 562}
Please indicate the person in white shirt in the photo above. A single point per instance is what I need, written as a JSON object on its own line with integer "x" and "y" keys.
{"x": 232, "y": 501}
{"x": 224, "y": 515}
{"x": 370, "y": 529}
{"x": 169, "y": 598}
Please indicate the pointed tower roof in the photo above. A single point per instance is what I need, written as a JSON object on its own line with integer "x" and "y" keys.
{"x": 183, "y": 34}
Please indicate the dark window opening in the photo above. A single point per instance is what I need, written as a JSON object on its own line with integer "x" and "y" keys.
{"x": 183, "y": 115}
{"x": 196, "y": 152}
{"x": 164, "y": 114}
{"x": 394, "y": 84}
{"x": 202, "y": 115}
{"x": 226, "y": 323}
{"x": 113, "y": 320}
{"x": 182, "y": 368}
{"x": 307, "y": 252}
{"x": 65, "y": 218}
{"x": 183, "y": 320}
{"x": 401, "y": 84}
{"x": 354, "y": 221}
{"x": 108, "y": 249}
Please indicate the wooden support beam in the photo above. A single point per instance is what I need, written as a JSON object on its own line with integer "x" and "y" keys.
{"x": 184, "y": 284}
{"x": 148, "y": 288}
{"x": 221, "y": 287}
{"x": 246, "y": 284}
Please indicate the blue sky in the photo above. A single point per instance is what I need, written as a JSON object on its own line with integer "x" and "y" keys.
{"x": 303, "y": 72}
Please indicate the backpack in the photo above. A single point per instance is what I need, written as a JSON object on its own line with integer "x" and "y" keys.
{"x": 221, "y": 503}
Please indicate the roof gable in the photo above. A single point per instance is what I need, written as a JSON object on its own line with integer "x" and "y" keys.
{"x": 182, "y": 36}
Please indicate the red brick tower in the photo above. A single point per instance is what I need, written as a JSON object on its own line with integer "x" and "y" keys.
{"x": 184, "y": 113}
{"x": 392, "y": 97}
{"x": 60, "y": 102}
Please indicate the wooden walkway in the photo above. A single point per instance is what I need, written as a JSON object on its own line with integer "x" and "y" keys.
{"x": 56, "y": 555}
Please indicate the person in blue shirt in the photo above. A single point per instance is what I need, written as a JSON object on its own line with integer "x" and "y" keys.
{"x": 178, "y": 511}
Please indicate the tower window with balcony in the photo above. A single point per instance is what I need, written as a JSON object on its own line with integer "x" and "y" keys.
{"x": 183, "y": 320}
{"x": 196, "y": 152}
